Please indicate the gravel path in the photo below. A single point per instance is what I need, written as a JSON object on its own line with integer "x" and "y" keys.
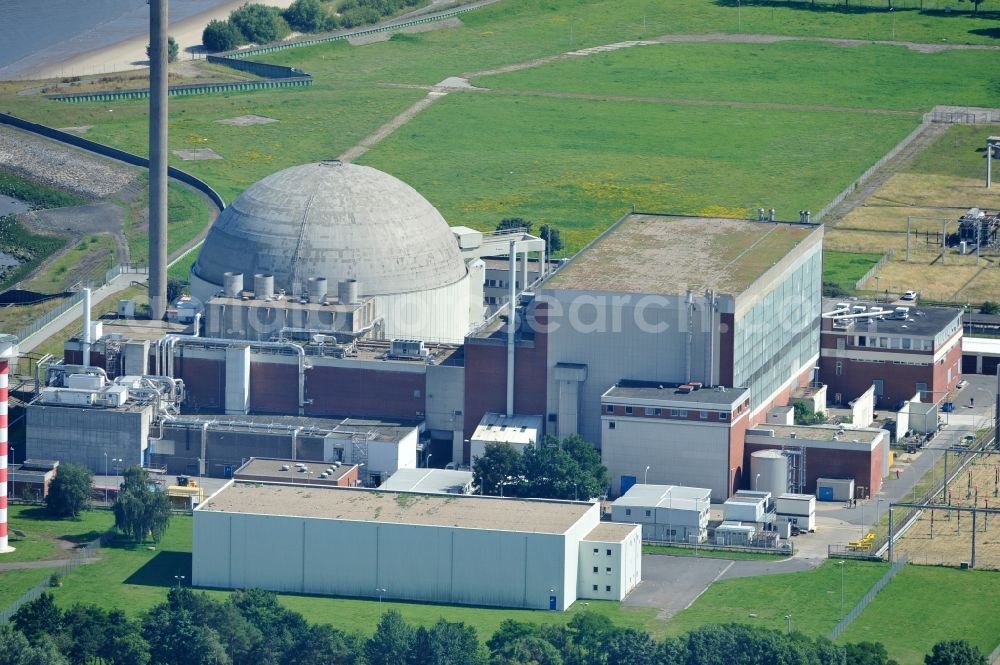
{"x": 388, "y": 128}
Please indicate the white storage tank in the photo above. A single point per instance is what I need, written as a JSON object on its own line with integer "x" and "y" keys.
{"x": 769, "y": 472}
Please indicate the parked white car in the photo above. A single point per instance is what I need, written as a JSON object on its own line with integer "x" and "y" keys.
{"x": 909, "y": 295}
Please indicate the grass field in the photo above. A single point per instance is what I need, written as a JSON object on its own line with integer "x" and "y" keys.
{"x": 923, "y": 605}
{"x": 480, "y": 158}
{"x": 49, "y": 538}
{"x": 859, "y": 77}
{"x": 14, "y": 583}
{"x": 846, "y": 268}
{"x": 96, "y": 251}
{"x": 812, "y": 598}
{"x": 315, "y": 123}
{"x": 580, "y": 164}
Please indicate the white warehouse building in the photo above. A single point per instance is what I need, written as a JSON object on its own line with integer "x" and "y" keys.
{"x": 469, "y": 550}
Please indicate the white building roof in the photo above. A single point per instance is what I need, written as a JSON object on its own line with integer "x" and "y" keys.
{"x": 432, "y": 481}
{"x": 980, "y": 345}
{"x": 675, "y": 497}
{"x": 501, "y": 428}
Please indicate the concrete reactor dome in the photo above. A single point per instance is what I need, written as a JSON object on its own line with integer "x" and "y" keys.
{"x": 343, "y": 225}
{"x": 333, "y": 220}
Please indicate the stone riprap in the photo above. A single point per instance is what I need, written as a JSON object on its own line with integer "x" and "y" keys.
{"x": 61, "y": 166}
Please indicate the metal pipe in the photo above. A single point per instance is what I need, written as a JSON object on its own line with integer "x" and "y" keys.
{"x": 512, "y": 315}
{"x": 295, "y": 442}
{"x": 204, "y": 447}
{"x": 87, "y": 341}
{"x": 158, "y": 53}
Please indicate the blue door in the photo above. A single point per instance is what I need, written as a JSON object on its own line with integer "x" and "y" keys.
{"x": 228, "y": 471}
{"x": 552, "y": 602}
{"x": 824, "y": 493}
{"x": 626, "y": 484}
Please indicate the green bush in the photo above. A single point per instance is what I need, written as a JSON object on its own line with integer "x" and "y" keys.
{"x": 309, "y": 16}
{"x": 172, "y": 50}
{"x": 989, "y": 307}
{"x": 260, "y": 24}
{"x": 222, "y": 36}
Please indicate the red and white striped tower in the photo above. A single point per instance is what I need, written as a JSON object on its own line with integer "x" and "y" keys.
{"x": 8, "y": 350}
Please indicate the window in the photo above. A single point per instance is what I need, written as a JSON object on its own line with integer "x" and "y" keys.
{"x": 906, "y": 343}
{"x": 628, "y": 410}
{"x": 679, "y": 413}
{"x": 879, "y": 387}
{"x": 652, "y": 412}
{"x": 595, "y": 550}
{"x": 416, "y": 393}
{"x": 595, "y": 569}
{"x": 703, "y": 415}
{"x": 840, "y": 368}
{"x": 595, "y": 587}
{"x": 607, "y": 571}
{"x": 841, "y": 344}
{"x": 921, "y": 388}
{"x": 611, "y": 424}
{"x": 609, "y": 408}
{"x": 883, "y": 342}
{"x": 608, "y": 588}
{"x": 628, "y": 511}
{"x": 648, "y": 513}
{"x": 862, "y": 340}
{"x": 609, "y": 552}
{"x": 897, "y": 343}
{"x": 723, "y": 416}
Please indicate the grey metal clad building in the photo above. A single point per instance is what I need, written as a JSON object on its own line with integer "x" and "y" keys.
{"x": 419, "y": 547}
{"x": 667, "y": 513}
{"x": 676, "y": 299}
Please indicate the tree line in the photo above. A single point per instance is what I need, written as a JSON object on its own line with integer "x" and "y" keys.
{"x": 252, "y": 627}
{"x": 262, "y": 24}
{"x": 568, "y": 468}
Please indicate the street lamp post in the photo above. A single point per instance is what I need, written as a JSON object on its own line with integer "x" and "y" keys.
{"x": 645, "y": 475}
{"x": 105, "y": 476}
{"x": 427, "y": 460}
{"x": 755, "y": 479}
{"x": 841, "y": 564}
{"x": 381, "y": 592}
{"x": 788, "y": 619}
{"x": 180, "y": 580}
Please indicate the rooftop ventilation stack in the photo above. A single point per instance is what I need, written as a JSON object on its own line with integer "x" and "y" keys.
{"x": 158, "y": 158}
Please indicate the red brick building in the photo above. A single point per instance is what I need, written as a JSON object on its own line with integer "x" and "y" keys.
{"x": 900, "y": 350}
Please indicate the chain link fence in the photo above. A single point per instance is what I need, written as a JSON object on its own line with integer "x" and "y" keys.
{"x": 868, "y": 598}
{"x": 80, "y": 556}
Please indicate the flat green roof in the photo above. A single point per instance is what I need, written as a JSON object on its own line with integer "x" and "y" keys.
{"x": 667, "y": 255}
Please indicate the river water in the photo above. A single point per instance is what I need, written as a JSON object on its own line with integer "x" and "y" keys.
{"x": 38, "y": 32}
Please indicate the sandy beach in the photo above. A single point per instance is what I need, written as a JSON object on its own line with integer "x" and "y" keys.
{"x": 130, "y": 53}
